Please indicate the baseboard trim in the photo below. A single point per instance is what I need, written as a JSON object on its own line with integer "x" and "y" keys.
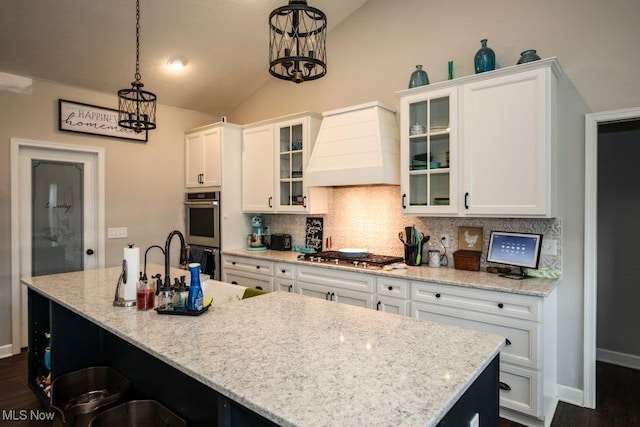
{"x": 573, "y": 396}
{"x": 616, "y": 358}
{"x": 6, "y": 351}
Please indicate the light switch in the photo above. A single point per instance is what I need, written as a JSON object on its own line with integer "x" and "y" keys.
{"x": 117, "y": 233}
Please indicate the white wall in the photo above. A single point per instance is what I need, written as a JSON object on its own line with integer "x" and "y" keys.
{"x": 144, "y": 182}
{"x": 371, "y": 56}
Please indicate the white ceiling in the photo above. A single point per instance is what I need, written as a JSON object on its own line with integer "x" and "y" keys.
{"x": 91, "y": 44}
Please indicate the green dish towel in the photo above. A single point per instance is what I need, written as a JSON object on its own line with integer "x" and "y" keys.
{"x": 252, "y": 292}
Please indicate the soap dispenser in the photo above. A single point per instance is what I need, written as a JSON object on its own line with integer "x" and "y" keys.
{"x": 164, "y": 294}
{"x": 180, "y": 295}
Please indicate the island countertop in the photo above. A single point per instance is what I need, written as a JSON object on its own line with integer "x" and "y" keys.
{"x": 296, "y": 360}
{"x": 444, "y": 275}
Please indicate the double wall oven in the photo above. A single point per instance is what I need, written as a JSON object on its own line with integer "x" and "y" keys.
{"x": 203, "y": 230}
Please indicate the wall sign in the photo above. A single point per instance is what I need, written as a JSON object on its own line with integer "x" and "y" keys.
{"x": 93, "y": 120}
{"x": 313, "y": 234}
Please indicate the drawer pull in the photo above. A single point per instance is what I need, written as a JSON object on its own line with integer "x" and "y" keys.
{"x": 234, "y": 282}
{"x": 327, "y": 296}
{"x": 437, "y": 295}
{"x": 233, "y": 263}
{"x": 290, "y": 288}
{"x": 378, "y": 306}
{"x": 259, "y": 287}
{"x": 333, "y": 296}
{"x": 500, "y": 305}
{"x": 507, "y": 341}
{"x": 390, "y": 288}
{"x": 258, "y": 267}
{"x": 284, "y": 271}
{"x": 505, "y": 386}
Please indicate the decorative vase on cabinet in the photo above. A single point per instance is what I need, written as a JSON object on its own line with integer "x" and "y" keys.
{"x": 528, "y": 56}
{"x": 485, "y": 59}
{"x": 418, "y": 77}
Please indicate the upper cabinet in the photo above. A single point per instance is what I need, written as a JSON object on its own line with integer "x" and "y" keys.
{"x": 204, "y": 153}
{"x": 481, "y": 145}
{"x": 275, "y": 155}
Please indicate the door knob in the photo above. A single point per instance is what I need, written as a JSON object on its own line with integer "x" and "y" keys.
{"x": 89, "y": 251}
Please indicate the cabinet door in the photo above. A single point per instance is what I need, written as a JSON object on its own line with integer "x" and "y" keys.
{"x": 257, "y": 169}
{"x": 392, "y": 305}
{"x": 429, "y": 153}
{"x": 291, "y": 140}
{"x": 313, "y": 290}
{"x": 507, "y": 145}
{"x": 194, "y": 167}
{"x": 211, "y": 153}
{"x": 285, "y": 285}
{"x": 359, "y": 299}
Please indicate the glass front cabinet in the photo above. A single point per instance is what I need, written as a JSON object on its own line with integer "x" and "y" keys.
{"x": 429, "y": 151}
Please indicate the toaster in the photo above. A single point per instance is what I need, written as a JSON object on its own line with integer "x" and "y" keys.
{"x": 281, "y": 242}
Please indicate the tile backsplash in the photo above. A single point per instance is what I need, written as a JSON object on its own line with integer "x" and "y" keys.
{"x": 370, "y": 217}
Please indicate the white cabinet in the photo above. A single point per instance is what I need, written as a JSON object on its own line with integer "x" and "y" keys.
{"x": 249, "y": 272}
{"x": 285, "y": 276}
{"x": 481, "y": 145}
{"x": 274, "y": 158}
{"x": 203, "y": 157}
{"x": 336, "y": 285}
{"x": 392, "y": 295}
{"x": 429, "y": 152}
{"x": 508, "y": 144}
{"x": 527, "y": 362}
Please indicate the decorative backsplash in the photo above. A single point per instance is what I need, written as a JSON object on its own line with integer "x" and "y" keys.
{"x": 371, "y": 217}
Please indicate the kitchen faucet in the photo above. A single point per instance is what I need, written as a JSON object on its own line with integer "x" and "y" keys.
{"x": 184, "y": 254}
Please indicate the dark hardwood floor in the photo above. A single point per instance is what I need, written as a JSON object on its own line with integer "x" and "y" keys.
{"x": 617, "y": 398}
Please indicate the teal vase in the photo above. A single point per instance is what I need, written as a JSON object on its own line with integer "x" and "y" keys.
{"x": 528, "y": 56}
{"x": 485, "y": 59}
{"x": 418, "y": 77}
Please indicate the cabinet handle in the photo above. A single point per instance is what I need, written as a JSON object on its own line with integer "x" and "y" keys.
{"x": 304, "y": 202}
{"x": 500, "y": 305}
{"x": 234, "y": 282}
{"x": 327, "y": 296}
{"x": 258, "y": 267}
{"x": 259, "y": 287}
{"x": 378, "y": 306}
{"x": 233, "y": 263}
{"x": 507, "y": 341}
{"x": 466, "y": 200}
{"x": 270, "y": 204}
{"x": 284, "y": 271}
{"x": 333, "y": 296}
{"x": 504, "y": 386}
{"x": 404, "y": 196}
{"x": 390, "y": 288}
{"x": 290, "y": 288}
{"x": 437, "y": 295}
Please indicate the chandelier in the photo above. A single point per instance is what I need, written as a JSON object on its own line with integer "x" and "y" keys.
{"x": 297, "y": 42}
{"x": 137, "y": 107}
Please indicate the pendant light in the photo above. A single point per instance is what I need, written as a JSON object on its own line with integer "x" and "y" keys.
{"x": 297, "y": 42}
{"x": 137, "y": 107}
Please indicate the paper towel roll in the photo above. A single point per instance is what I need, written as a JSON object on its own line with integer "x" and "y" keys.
{"x": 132, "y": 257}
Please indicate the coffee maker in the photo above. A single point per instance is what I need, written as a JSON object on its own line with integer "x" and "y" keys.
{"x": 257, "y": 240}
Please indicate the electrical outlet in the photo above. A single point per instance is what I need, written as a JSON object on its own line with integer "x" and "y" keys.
{"x": 445, "y": 240}
{"x": 549, "y": 247}
{"x": 117, "y": 233}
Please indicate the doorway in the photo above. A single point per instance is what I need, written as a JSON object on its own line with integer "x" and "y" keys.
{"x": 57, "y": 217}
{"x": 594, "y": 124}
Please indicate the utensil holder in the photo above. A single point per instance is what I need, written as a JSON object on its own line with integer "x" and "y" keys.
{"x": 411, "y": 254}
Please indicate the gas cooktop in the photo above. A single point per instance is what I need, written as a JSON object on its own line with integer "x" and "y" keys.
{"x": 371, "y": 261}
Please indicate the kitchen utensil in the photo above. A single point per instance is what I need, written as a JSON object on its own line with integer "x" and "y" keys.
{"x": 411, "y": 254}
{"x": 353, "y": 252}
{"x": 419, "y": 243}
{"x": 410, "y": 235}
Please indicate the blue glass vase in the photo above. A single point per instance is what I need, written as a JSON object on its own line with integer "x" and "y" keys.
{"x": 485, "y": 59}
{"x": 528, "y": 56}
{"x": 418, "y": 77}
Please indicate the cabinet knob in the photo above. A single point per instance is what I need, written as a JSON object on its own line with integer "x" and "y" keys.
{"x": 507, "y": 341}
{"x": 233, "y": 282}
{"x": 437, "y": 295}
{"x": 258, "y": 267}
{"x": 233, "y": 263}
{"x": 390, "y": 288}
{"x": 505, "y": 386}
{"x": 259, "y": 287}
{"x": 500, "y": 305}
{"x": 284, "y": 271}
{"x": 89, "y": 251}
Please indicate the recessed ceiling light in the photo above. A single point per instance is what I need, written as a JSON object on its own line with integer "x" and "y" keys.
{"x": 177, "y": 63}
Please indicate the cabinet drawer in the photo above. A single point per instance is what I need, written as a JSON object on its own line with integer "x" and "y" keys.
{"x": 395, "y": 288}
{"x": 285, "y": 285}
{"x": 250, "y": 265}
{"x": 336, "y": 278}
{"x": 250, "y": 280}
{"x": 392, "y": 305}
{"x": 286, "y": 271}
{"x": 500, "y": 303}
{"x": 520, "y": 390}
{"x": 522, "y": 345}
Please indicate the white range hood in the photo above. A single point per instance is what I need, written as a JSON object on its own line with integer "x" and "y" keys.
{"x": 357, "y": 145}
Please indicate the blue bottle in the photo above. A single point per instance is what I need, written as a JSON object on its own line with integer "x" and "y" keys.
{"x": 194, "y": 302}
{"x": 485, "y": 59}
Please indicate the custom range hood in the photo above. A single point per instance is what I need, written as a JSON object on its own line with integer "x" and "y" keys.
{"x": 357, "y": 145}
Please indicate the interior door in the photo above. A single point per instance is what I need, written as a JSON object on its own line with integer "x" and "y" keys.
{"x": 59, "y": 217}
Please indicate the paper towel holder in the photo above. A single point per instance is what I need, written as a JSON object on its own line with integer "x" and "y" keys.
{"x": 118, "y": 300}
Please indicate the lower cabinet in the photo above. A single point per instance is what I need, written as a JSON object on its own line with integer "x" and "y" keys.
{"x": 336, "y": 285}
{"x": 284, "y": 277}
{"x": 392, "y": 296}
{"x": 249, "y": 272}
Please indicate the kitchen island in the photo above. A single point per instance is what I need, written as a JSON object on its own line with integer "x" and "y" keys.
{"x": 279, "y": 358}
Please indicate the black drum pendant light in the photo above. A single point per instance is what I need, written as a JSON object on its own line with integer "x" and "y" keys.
{"x": 137, "y": 107}
{"x": 297, "y": 42}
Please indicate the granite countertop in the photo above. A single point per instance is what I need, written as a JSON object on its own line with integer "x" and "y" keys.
{"x": 293, "y": 359}
{"x": 447, "y": 276}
